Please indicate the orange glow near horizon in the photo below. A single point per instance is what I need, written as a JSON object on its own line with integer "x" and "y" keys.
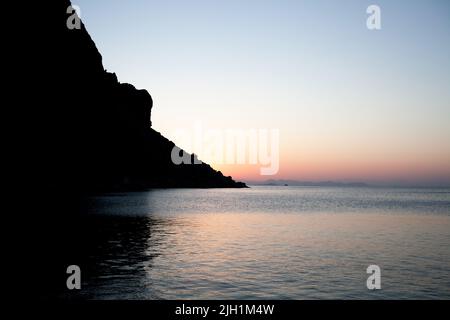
{"x": 339, "y": 167}
{"x": 349, "y": 103}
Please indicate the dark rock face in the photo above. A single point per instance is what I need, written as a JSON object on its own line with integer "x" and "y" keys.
{"x": 78, "y": 130}
{"x": 93, "y": 132}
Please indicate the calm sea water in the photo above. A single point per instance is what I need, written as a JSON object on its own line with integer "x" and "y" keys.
{"x": 268, "y": 242}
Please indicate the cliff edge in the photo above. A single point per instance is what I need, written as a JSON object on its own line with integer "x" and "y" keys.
{"x": 89, "y": 131}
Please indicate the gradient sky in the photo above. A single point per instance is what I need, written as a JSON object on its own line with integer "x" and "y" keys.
{"x": 350, "y": 103}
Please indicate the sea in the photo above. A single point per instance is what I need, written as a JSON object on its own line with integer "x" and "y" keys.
{"x": 268, "y": 242}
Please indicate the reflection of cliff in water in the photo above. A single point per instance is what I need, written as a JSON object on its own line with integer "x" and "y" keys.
{"x": 116, "y": 255}
{"x": 111, "y": 248}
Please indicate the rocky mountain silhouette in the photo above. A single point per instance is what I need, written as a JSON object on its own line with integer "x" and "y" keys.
{"x": 94, "y": 133}
{"x": 76, "y": 132}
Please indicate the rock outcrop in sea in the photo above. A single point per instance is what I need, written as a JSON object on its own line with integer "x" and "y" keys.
{"x": 76, "y": 131}
{"x": 92, "y": 132}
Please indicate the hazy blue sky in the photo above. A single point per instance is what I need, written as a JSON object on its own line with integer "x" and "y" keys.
{"x": 350, "y": 103}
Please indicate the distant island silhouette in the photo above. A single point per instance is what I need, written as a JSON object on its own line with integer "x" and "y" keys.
{"x": 95, "y": 133}
{"x": 282, "y": 182}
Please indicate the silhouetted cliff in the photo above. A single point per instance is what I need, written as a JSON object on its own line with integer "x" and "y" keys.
{"x": 75, "y": 130}
{"x": 92, "y": 132}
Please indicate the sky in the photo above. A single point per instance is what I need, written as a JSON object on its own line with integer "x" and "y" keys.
{"x": 349, "y": 103}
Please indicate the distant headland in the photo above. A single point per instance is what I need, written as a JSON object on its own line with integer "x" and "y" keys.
{"x": 281, "y": 182}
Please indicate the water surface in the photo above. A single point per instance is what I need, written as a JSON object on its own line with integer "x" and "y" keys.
{"x": 267, "y": 243}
